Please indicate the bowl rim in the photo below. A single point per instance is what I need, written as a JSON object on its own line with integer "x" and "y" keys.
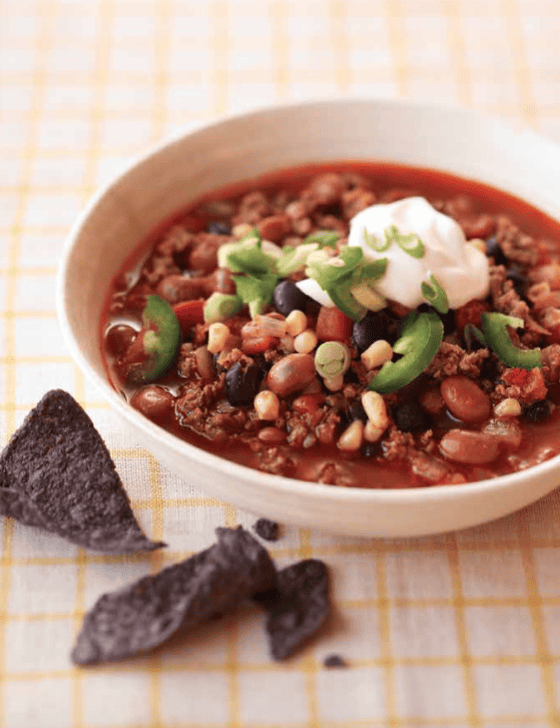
{"x": 289, "y": 486}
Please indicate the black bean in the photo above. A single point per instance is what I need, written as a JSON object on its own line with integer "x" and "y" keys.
{"x": 409, "y": 416}
{"x": 242, "y": 384}
{"x": 493, "y": 249}
{"x": 219, "y": 228}
{"x": 448, "y": 319}
{"x": 370, "y": 449}
{"x": 519, "y": 281}
{"x": 288, "y": 297}
{"x": 538, "y": 411}
{"x": 356, "y": 412}
{"x": 372, "y": 327}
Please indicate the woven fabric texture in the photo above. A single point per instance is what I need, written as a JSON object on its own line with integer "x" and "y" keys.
{"x": 454, "y": 631}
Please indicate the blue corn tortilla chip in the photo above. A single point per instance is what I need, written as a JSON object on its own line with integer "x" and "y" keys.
{"x": 56, "y": 473}
{"x": 266, "y": 529}
{"x": 297, "y": 608}
{"x": 145, "y": 614}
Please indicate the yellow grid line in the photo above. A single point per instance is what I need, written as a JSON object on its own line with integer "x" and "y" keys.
{"x": 397, "y": 44}
{"x": 383, "y": 606}
{"x": 453, "y": 17}
{"x": 544, "y": 659}
{"x": 39, "y": 85}
{"x": 521, "y": 71}
{"x": 278, "y": 14}
{"x": 220, "y": 45}
{"x": 474, "y": 719}
{"x": 342, "y": 74}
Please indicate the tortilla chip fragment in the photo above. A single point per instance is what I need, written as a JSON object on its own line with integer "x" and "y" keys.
{"x": 56, "y": 473}
{"x": 298, "y": 607}
{"x": 143, "y": 615}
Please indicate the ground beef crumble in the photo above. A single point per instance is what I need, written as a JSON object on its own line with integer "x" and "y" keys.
{"x": 183, "y": 267}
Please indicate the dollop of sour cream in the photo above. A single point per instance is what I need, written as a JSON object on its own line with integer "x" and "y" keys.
{"x": 460, "y": 268}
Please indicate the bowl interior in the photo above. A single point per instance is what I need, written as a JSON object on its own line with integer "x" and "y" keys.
{"x": 242, "y": 147}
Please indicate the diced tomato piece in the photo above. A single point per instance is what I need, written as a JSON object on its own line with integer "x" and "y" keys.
{"x": 258, "y": 344}
{"x": 517, "y": 377}
{"x": 333, "y": 325}
{"x": 470, "y": 313}
{"x": 189, "y": 313}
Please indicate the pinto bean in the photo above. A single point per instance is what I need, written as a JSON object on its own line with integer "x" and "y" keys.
{"x": 465, "y": 399}
{"x": 275, "y": 227}
{"x": 204, "y": 255}
{"x": 220, "y": 281}
{"x": 272, "y": 435}
{"x": 291, "y": 374}
{"x": 154, "y": 402}
{"x": 176, "y": 288}
{"x": 471, "y": 448}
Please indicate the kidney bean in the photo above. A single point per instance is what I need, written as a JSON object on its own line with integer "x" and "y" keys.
{"x": 308, "y": 403}
{"x": 204, "y": 256}
{"x": 118, "y": 338}
{"x": 471, "y": 448}
{"x": 176, "y": 288}
{"x": 204, "y": 362}
{"x": 272, "y": 435}
{"x": 154, "y": 402}
{"x": 275, "y": 227}
{"x": 291, "y": 374}
{"x": 507, "y": 431}
{"x": 464, "y": 399}
{"x": 220, "y": 281}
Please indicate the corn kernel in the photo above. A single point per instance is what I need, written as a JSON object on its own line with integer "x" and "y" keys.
{"x": 353, "y": 437}
{"x": 372, "y": 433}
{"x": 287, "y": 343}
{"x": 305, "y": 342}
{"x": 374, "y": 406}
{"x": 240, "y": 230}
{"x": 509, "y": 407}
{"x": 267, "y": 405}
{"x": 296, "y": 323}
{"x": 377, "y": 354}
{"x": 334, "y": 384}
{"x": 217, "y": 337}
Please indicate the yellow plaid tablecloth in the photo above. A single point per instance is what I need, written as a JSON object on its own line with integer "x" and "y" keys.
{"x": 454, "y": 631}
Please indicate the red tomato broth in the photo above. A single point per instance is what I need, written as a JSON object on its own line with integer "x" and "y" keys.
{"x": 540, "y": 441}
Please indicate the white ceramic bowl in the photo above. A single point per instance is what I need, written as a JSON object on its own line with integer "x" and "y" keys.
{"x": 241, "y": 147}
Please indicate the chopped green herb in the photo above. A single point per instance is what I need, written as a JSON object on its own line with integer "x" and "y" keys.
{"x": 323, "y": 238}
{"x": 294, "y": 259}
{"x": 257, "y": 292}
{"x": 496, "y": 334}
{"x": 435, "y": 295}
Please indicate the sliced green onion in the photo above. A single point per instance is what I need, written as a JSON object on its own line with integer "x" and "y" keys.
{"x": 410, "y": 243}
{"x": 494, "y": 326}
{"x": 372, "y": 271}
{"x": 220, "y": 307}
{"x": 331, "y": 359}
{"x": 373, "y": 242}
{"x": 420, "y": 339}
{"x": 435, "y": 295}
